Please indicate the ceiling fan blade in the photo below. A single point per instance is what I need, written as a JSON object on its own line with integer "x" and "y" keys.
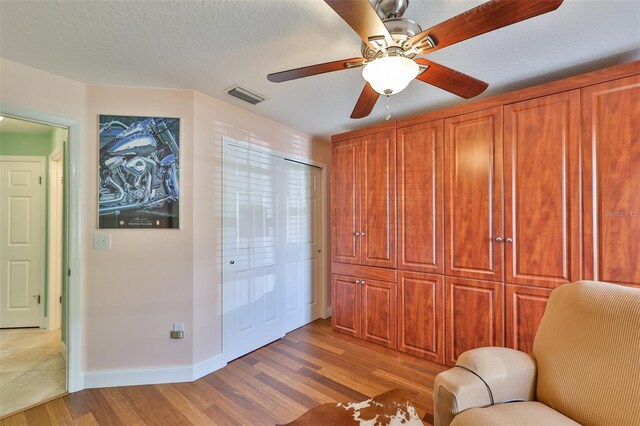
{"x": 450, "y": 80}
{"x": 365, "y": 103}
{"x": 279, "y": 77}
{"x": 362, "y": 17}
{"x": 482, "y": 19}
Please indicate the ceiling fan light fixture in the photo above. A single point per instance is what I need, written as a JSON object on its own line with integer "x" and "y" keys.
{"x": 389, "y": 75}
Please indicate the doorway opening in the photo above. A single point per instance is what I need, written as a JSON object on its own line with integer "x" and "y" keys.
{"x": 273, "y": 270}
{"x": 33, "y": 256}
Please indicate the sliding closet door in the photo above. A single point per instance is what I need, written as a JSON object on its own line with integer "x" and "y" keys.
{"x": 272, "y": 248}
{"x": 303, "y": 245}
{"x": 252, "y": 260}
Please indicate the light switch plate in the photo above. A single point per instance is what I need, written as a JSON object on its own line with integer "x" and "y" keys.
{"x": 102, "y": 242}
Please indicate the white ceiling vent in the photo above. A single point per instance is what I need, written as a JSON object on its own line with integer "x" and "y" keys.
{"x": 245, "y": 95}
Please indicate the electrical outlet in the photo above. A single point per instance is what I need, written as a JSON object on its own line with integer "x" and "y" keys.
{"x": 178, "y": 326}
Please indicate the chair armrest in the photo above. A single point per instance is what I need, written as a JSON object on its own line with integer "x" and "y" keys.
{"x": 509, "y": 374}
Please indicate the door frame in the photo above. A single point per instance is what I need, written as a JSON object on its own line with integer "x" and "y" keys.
{"x": 55, "y": 208}
{"x": 325, "y": 310}
{"x": 76, "y": 258}
{"x": 41, "y": 160}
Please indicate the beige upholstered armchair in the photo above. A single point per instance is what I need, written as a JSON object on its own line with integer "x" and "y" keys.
{"x": 585, "y": 367}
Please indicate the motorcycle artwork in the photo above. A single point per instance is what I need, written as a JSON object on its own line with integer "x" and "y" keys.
{"x": 138, "y": 172}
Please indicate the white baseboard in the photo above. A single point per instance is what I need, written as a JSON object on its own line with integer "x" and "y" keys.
{"x": 208, "y": 366}
{"x": 152, "y": 376}
{"x": 63, "y": 350}
{"x": 327, "y": 313}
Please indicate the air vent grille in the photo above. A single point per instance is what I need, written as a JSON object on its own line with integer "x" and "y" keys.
{"x": 245, "y": 95}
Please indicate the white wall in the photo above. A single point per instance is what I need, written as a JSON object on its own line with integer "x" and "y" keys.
{"x": 151, "y": 278}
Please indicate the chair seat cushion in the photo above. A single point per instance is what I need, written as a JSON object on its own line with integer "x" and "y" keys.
{"x": 514, "y": 413}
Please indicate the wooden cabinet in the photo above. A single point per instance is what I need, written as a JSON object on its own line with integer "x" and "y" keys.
{"x": 611, "y": 142}
{"x": 473, "y": 314}
{"x": 363, "y": 200}
{"x": 542, "y": 232}
{"x": 421, "y": 315}
{"x": 524, "y": 309}
{"x": 420, "y": 198}
{"x": 364, "y": 304}
{"x": 473, "y": 195}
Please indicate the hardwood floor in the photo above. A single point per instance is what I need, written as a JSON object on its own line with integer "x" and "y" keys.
{"x": 273, "y": 385}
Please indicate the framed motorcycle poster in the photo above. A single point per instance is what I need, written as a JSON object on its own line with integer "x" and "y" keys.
{"x": 139, "y": 160}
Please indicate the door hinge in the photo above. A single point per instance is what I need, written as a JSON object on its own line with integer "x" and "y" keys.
{"x": 37, "y": 297}
{"x": 69, "y": 272}
{"x": 60, "y": 299}
{"x": 40, "y": 180}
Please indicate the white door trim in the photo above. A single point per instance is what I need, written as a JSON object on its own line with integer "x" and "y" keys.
{"x": 76, "y": 258}
{"x": 55, "y": 208}
{"x": 41, "y": 222}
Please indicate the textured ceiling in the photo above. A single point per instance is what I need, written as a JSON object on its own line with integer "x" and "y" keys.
{"x": 211, "y": 45}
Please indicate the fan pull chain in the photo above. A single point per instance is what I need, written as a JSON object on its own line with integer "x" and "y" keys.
{"x": 388, "y": 109}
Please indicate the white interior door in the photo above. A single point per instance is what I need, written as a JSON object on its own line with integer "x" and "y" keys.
{"x": 21, "y": 241}
{"x": 272, "y": 248}
{"x": 252, "y": 251}
{"x": 303, "y": 249}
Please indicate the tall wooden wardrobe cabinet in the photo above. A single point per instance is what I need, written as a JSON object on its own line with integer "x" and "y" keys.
{"x": 497, "y": 202}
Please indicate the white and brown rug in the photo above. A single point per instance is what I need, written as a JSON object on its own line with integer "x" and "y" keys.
{"x": 390, "y": 408}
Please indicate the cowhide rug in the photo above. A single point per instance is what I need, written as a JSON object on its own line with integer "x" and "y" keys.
{"x": 390, "y": 408}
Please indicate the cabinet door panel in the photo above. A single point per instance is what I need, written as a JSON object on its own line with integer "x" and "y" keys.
{"x": 525, "y": 307}
{"x": 474, "y": 315}
{"x": 346, "y": 305}
{"x": 345, "y": 201}
{"x": 542, "y": 190}
{"x": 473, "y": 195}
{"x": 611, "y": 126}
{"x": 378, "y": 170}
{"x": 379, "y": 312}
{"x": 420, "y": 198}
{"x": 421, "y": 315}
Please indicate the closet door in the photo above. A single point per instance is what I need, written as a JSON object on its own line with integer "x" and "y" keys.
{"x": 611, "y": 138}
{"x": 345, "y": 201}
{"x": 252, "y": 250}
{"x": 542, "y": 234}
{"x": 420, "y": 198}
{"x": 473, "y": 195}
{"x": 379, "y": 312}
{"x": 378, "y": 204}
{"x": 524, "y": 310}
{"x": 346, "y": 309}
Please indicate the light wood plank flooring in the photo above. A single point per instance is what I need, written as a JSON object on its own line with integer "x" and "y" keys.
{"x": 273, "y": 385}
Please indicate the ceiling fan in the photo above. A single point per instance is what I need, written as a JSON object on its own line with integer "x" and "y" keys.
{"x": 391, "y": 44}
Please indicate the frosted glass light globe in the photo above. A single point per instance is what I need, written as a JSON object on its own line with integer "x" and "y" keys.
{"x": 390, "y": 74}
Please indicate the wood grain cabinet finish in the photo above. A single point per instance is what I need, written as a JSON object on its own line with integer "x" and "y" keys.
{"x": 421, "y": 315}
{"x": 345, "y": 201}
{"x": 379, "y": 312}
{"x": 365, "y": 308}
{"x": 473, "y": 195}
{"x": 420, "y": 198}
{"x": 611, "y": 137}
{"x": 474, "y": 315}
{"x": 524, "y": 309}
{"x": 346, "y": 305}
{"x": 542, "y": 233}
{"x": 364, "y": 200}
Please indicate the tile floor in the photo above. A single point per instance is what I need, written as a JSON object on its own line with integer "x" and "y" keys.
{"x": 31, "y": 368}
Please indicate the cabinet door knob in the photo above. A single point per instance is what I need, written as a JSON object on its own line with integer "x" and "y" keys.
{"x": 357, "y": 234}
{"x": 362, "y": 282}
{"x": 498, "y": 239}
{"x": 362, "y": 234}
{"x": 358, "y": 281}
{"x": 509, "y": 240}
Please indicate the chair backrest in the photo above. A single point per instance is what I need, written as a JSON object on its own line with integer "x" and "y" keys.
{"x": 588, "y": 353}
